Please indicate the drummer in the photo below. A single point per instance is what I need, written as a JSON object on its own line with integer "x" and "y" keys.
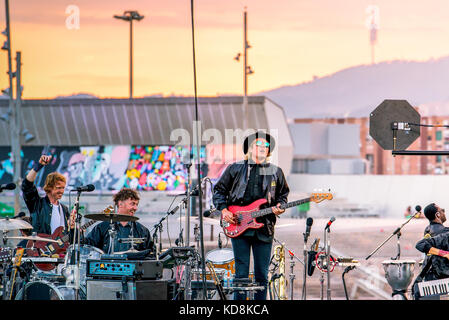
{"x": 126, "y": 202}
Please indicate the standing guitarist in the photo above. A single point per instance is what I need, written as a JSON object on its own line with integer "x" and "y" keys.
{"x": 241, "y": 184}
{"x": 47, "y": 213}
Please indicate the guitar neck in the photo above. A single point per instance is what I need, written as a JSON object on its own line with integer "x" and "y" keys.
{"x": 83, "y": 227}
{"x": 266, "y": 211}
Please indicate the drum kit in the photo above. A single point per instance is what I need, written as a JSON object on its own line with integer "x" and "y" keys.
{"x": 42, "y": 276}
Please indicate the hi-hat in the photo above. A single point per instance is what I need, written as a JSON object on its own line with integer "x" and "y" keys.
{"x": 33, "y": 238}
{"x": 14, "y": 224}
{"x": 114, "y": 217}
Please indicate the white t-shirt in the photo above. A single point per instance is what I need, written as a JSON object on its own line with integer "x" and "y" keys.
{"x": 57, "y": 218}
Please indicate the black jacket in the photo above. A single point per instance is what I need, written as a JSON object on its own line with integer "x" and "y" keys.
{"x": 435, "y": 228}
{"x": 440, "y": 265}
{"x": 99, "y": 237}
{"x": 40, "y": 208}
{"x": 230, "y": 190}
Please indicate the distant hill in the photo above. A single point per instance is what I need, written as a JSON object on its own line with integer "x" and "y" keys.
{"x": 356, "y": 91}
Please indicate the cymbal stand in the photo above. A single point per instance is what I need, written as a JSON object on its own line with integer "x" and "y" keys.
{"x": 112, "y": 234}
{"x": 76, "y": 254}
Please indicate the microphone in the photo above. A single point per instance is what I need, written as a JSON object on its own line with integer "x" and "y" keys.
{"x": 220, "y": 244}
{"x": 7, "y": 186}
{"x": 207, "y": 213}
{"x": 87, "y": 188}
{"x": 309, "y": 223}
{"x": 329, "y": 223}
{"x": 418, "y": 209}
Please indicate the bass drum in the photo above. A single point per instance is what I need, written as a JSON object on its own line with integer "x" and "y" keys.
{"x": 44, "y": 290}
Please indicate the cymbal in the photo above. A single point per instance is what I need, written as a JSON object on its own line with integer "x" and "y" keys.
{"x": 33, "y": 238}
{"x": 127, "y": 251}
{"x": 14, "y": 224}
{"x": 114, "y": 217}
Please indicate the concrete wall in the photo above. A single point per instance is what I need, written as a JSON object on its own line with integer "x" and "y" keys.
{"x": 389, "y": 194}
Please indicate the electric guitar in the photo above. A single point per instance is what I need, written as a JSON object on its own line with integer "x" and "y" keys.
{"x": 246, "y": 215}
{"x": 59, "y": 247}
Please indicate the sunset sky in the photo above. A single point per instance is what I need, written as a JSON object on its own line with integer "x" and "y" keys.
{"x": 292, "y": 41}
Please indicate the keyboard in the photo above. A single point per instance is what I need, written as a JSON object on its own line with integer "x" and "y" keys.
{"x": 433, "y": 287}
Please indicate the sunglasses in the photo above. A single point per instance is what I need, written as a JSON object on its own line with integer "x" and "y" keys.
{"x": 262, "y": 143}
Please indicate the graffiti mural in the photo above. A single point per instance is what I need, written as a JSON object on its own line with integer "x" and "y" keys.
{"x": 109, "y": 167}
{"x": 157, "y": 168}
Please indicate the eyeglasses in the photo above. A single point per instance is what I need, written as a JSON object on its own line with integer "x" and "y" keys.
{"x": 262, "y": 143}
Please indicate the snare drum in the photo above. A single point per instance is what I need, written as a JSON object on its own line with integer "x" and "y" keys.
{"x": 44, "y": 290}
{"x": 399, "y": 273}
{"x": 222, "y": 259}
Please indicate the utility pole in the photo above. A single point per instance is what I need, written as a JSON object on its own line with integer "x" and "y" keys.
{"x": 14, "y": 115}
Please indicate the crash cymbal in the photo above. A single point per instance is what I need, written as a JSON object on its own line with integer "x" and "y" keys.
{"x": 14, "y": 224}
{"x": 33, "y": 238}
{"x": 113, "y": 217}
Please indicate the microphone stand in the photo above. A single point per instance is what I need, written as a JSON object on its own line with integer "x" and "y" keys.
{"x": 75, "y": 258}
{"x": 396, "y": 232}
{"x": 306, "y": 236}
{"x": 328, "y": 258}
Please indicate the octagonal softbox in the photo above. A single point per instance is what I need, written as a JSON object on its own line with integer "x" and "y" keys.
{"x": 382, "y": 118}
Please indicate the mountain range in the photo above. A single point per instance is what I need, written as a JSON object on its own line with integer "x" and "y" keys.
{"x": 358, "y": 90}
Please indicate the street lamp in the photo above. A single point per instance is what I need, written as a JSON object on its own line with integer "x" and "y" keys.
{"x": 246, "y": 70}
{"x": 130, "y": 16}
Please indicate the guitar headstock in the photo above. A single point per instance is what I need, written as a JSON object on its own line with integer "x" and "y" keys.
{"x": 318, "y": 197}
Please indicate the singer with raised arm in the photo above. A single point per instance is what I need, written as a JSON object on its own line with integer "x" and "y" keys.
{"x": 241, "y": 184}
{"x": 47, "y": 213}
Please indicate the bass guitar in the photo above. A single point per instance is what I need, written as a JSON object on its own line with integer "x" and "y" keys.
{"x": 246, "y": 215}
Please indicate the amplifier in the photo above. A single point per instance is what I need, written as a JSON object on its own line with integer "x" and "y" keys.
{"x": 135, "y": 269}
{"x": 101, "y": 289}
